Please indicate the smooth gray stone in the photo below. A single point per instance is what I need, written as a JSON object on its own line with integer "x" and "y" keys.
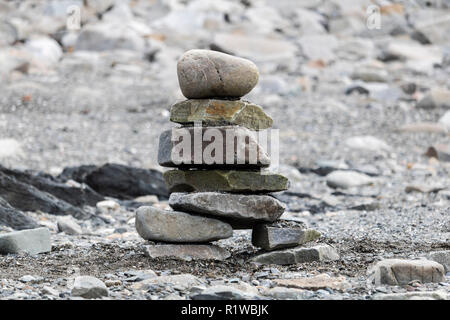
{"x": 442, "y": 257}
{"x": 243, "y": 148}
{"x": 187, "y": 252}
{"x": 32, "y": 241}
{"x": 245, "y": 208}
{"x": 273, "y": 238}
{"x": 298, "y": 255}
{"x": 209, "y": 74}
{"x": 396, "y": 272}
{"x": 174, "y": 226}
{"x": 89, "y": 287}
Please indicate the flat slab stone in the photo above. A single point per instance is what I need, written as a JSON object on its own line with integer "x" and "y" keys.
{"x": 274, "y": 238}
{"x": 214, "y": 112}
{"x": 32, "y": 241}
{"x": 174, "y": 226}
{"x": 298, "y": 255}
{"x": 211, "y": 147}
{"x": 396, "y": 272}
{"x": 248, "y": 209}
{"x": 209, "y": 74}
{"x": 187, "y": 252}
{"x": 224, "y": 180}
{"x": 321, "y": 281}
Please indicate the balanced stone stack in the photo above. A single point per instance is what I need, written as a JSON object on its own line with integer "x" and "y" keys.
{"x": 218, "y": 185}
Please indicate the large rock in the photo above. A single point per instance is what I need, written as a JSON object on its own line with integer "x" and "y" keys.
{"x": 298, "y": 255}
{"x": 396, "y": 272}
{"x": 32, "y": 241}
{"x": 173, "y": 226}
{"x": 209, "y": 147}
{"x": 14, "y": 218}
{"x": 347, "y": 179}
{"x": 236, "y": 209}
{"x": 25, "y": 197}
{"x": 89, "y": 287}
{"x": 187, "y": 252}
{"x": 273, "y": 238}
{"x": 209, "y": 74}
{"x": 224, "y": 180}
{"x": 214, "y": 112}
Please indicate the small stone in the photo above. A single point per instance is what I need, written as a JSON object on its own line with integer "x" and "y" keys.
{"x": 400, "y": 272}
{"x": 68, "y": 225}
{"x": 418, "y": 127}
{"x": 50, "y": 291}
{"x": 269, "y": 238}
{"x": 113, "y": 283}
{"x": 416, "y": 295}
{"x": 367, "y": 143}
{"x": 298, "y": 255}
{"x": 107, "y": 205}
{"x": 27, "y": 278}
{"x": 445, "y": 120}
{"x": 321, "y": 281}
{"x": 224, "y": 180}
{"x": 209, "y": 74}
{"x": 89, "y": 287}
{"x": 32, "y": 241}
{"x": 183, "y": 281}
{"x": 173, "y": 226}
{"x": 231, "y": 147}
{"x": 213, "y": 112}
{"x": 347, "y": 179}
{"x": 245, "y": 208}
{"x": 442, "y": 257}
{"x": 187, "y": 252}
{"x": 440, "y": 152}
{"x": 436, "y": 98}
{"x": 147, "y": 199}
{"x": 224, "y": 292}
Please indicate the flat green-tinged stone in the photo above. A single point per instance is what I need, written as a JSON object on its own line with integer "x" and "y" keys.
{"x": 224, "y": 180}
{"x": 214, "y": 112}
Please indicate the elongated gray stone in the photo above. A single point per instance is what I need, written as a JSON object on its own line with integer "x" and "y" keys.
{"x": 209, "y": 74}
{"x": 245, "y": 208}
{"x": 214, "y": 112}
{"x": 211, "y": 147}
{"x": 272, "y": 238}
{"x": 174, "y": 226}
{"x": 225, "y": 181}
{"x": 298, "y": 255}
{"x": 187, "y": 252}
{"x": 348, "y": 179}
{"x": 396, "y": 272}
{"x": 32, "y": 241}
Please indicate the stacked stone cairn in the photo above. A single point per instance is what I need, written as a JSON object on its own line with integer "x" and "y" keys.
{"x": 211, "y": 196}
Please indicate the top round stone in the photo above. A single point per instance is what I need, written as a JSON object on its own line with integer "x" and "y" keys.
{"x": 212, "y": 74}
